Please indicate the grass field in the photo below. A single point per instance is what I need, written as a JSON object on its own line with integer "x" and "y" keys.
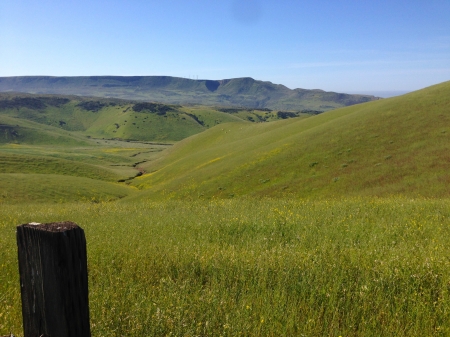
{"x": 330, "y": 225}
{"x": 356, "y": 267}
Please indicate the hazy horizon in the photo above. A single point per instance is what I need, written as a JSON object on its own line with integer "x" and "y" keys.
{"x": 377, "y": 93}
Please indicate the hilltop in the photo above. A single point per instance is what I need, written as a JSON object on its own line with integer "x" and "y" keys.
{"x": 237, "y": 92}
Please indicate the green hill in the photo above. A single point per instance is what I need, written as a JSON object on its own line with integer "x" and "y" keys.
{"x": 237, "y": 92}
{"x": 93, "y": 117}
{"x": 396, "y": 146}
{"x": 54, "y": 143}
{"x": 96, "y": 171}
{"x": 27, "y": 118}
{"x": 44, "y": 163}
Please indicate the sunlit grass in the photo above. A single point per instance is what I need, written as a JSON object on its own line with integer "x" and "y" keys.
{"x": 396, "y": 146}
{"x": 358, "y": 267}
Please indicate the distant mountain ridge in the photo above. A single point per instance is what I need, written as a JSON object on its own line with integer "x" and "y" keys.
{"x": 237, "y": 92}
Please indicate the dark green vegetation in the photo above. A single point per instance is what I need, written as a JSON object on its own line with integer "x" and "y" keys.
{"x": 240, "y": 92}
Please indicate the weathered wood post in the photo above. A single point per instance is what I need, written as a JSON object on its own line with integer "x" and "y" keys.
{"x": 53, "y": 280}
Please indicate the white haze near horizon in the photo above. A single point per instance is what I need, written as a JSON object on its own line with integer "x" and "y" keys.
{"x": 382, "y": 94}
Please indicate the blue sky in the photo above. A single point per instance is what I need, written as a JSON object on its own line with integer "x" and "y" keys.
{"x": 345, "y": 46}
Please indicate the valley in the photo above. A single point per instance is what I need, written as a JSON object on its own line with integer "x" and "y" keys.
{"x": 396, "y": 146}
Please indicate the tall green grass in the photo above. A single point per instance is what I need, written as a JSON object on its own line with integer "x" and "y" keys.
{"x": 356, "y": 267}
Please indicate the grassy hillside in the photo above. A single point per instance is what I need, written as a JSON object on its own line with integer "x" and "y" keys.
{"x": 237, "y": 92}
{"x": 98, "y": 170}
{"x": 99, "y": 118}
{"x": 15, "y": 130}
{"x": 394, "y": 146}
{"x": 53, "y": 143}
{"x": 26, "y": 118}
{"x": 25, "y": 188}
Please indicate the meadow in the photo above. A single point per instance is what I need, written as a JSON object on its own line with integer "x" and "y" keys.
{"x": 253, "y": 267}
{"x": 327, "y": 225}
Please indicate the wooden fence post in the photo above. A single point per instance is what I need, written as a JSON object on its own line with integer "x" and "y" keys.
{"x": 53, "y": 280}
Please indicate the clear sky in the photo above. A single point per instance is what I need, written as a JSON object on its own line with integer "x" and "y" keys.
{"x": 336, "y": 45}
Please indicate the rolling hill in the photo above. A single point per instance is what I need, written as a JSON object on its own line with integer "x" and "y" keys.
{"x": 237, "y": 92}
{"x": 27, "y": 118}
{"x": 93, "y": 117}
{"x": 396, "y": 146}
{"x": 68, "y": 148}
{"x": 95, "y": 170}
{"x": 65, "y": 148}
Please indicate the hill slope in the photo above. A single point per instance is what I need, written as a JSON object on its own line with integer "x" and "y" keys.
{"x": 396, "y": 146}
{"x": 245, "y": 92}
{"x": 93, "y": 117}
{"x": 97, "y": 170}
{"x": 31, "y": 117}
